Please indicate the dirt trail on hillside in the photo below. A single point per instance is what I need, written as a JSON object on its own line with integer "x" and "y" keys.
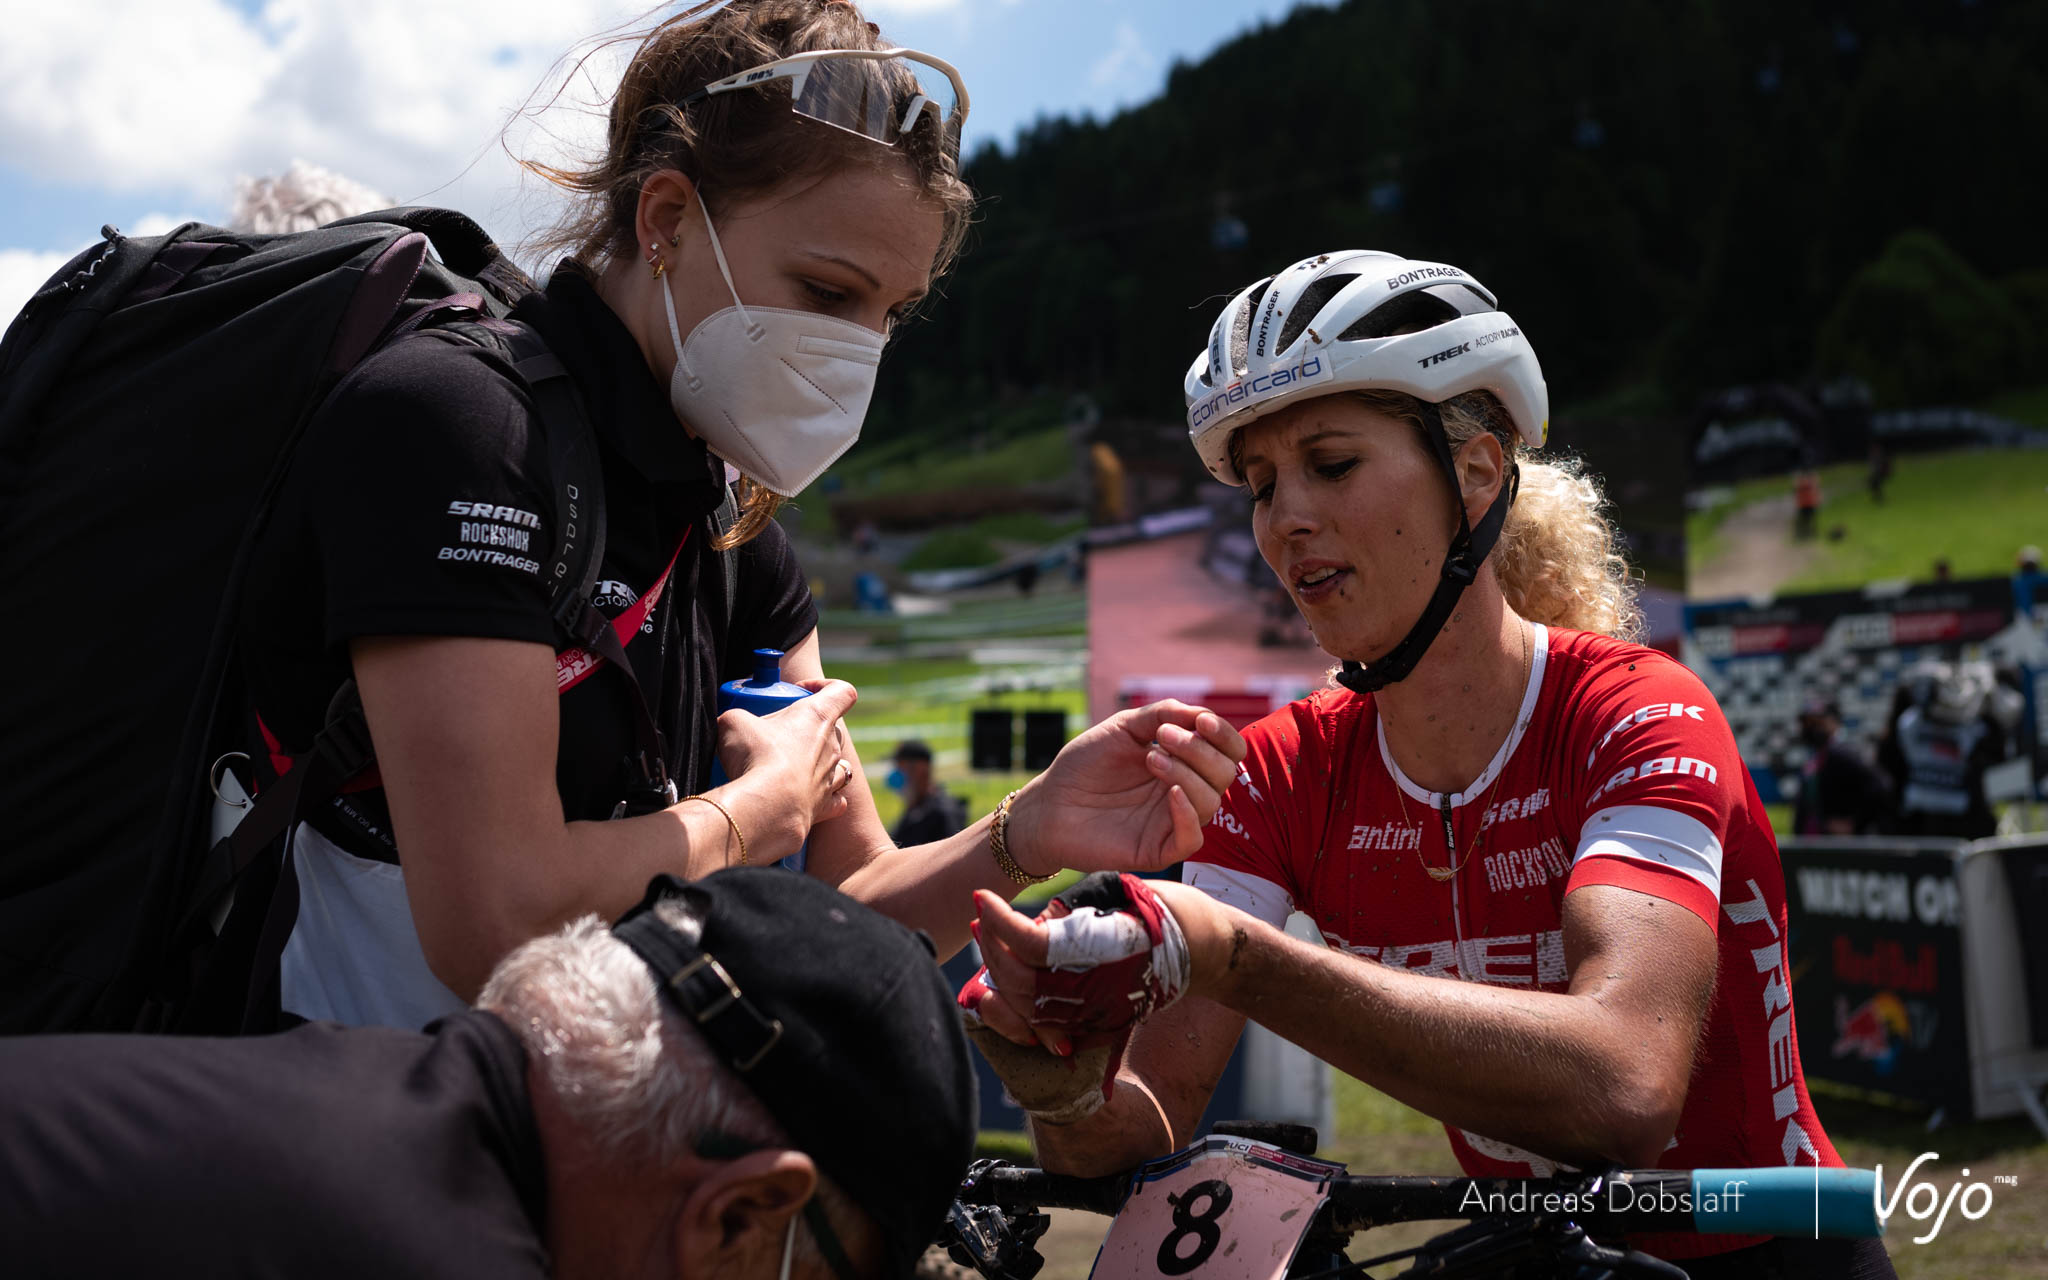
{"x": 1757, "y": 553}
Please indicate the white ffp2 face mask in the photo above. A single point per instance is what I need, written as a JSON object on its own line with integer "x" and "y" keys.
{"x": 778, "y": 394}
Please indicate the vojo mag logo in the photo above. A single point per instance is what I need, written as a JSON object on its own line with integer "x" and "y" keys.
{"x": 1311, "y": 368}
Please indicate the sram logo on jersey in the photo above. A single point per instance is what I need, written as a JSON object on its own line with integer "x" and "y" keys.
{"x": 1643, "y": 715}
{"x": 1684, "y": 765}
{"x": 493, "y": 511}
{"x": 1310, "y": 369}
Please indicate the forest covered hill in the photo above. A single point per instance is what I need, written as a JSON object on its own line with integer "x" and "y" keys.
{"x": 1668, "y": 197}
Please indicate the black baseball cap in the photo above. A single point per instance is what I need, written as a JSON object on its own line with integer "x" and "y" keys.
{"x": 912, "y": 749}
{"x": 839, "y": 1021}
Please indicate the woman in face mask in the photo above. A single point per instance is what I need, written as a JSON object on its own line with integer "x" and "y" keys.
{"x": 777, "y": 191}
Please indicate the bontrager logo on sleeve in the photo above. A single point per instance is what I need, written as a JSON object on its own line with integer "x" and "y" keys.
{"x": 493, "y": 534}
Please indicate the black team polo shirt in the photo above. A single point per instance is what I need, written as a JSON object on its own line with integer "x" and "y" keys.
{"x": 323, "y": 1152}
{"x": 364, "y": 541}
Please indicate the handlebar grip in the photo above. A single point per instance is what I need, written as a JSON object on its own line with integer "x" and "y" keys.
{"x": 1786, "y": 1202}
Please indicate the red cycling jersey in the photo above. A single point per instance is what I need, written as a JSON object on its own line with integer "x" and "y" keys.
{"x": 1620, "y": 770}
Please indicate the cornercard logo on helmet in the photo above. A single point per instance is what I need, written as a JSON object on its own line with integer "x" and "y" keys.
{"x": 1312, "y": 369}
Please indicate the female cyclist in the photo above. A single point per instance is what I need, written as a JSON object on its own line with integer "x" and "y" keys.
{"x": 778, "y": 189}
{"x": 1551, "y": 903}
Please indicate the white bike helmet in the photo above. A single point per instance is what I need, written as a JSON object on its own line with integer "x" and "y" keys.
{"x": 1350, "y": 322}
{"x": 1359, "y": 321}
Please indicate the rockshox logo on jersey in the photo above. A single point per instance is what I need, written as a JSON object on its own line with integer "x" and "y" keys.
{"x": 1311, "y": 369}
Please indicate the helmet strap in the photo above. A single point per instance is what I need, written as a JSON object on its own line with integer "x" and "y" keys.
{"x": 1467, "y": 552}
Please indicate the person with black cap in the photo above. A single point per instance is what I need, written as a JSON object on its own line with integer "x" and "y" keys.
{"x": 1840, "y": 792}
{"x": 930, "y": 812}
{"x": 710, "y": 1088}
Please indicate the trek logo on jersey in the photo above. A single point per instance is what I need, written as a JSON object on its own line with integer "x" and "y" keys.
{"x": 1511, "y": 810}
{"x": 1777, "y": 1014}
{"x": 1683, "y": 765}
{"x": 493, "y": 511}
{"x": 1527, "y": 868}
{"x": 1311, "y": 368}
{"x": 1398, "y": 837}
{"x": 1516, "y": 960}
{"x": 1643, "y": 715}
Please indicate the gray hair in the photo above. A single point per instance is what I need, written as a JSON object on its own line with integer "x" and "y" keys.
{"x": 627, "y": 1068}
{"x": 302, "y": 198}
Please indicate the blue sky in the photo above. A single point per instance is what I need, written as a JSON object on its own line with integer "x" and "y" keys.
{"x": 144, "y": 112}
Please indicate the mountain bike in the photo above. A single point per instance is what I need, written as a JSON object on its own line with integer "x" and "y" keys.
{"x": 1249, "y": 1202}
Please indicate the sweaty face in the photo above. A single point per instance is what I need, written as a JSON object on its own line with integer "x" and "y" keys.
{"x": 1353, "y": 515}
{"x": 856, "y": 244}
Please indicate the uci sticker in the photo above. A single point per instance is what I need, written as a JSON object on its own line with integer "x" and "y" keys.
{"x": 1225, "y": 1209}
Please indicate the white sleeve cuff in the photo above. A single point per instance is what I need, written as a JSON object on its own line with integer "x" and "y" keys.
{"x": 1253, "y": 895}
{"x": 1657, "y": 836}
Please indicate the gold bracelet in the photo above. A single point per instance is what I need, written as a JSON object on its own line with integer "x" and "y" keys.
{"x": 998, "y": 840}
{"x": 736, "y": 833}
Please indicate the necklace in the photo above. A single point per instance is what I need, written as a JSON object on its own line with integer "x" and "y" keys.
{"x": 1443, "y": 874}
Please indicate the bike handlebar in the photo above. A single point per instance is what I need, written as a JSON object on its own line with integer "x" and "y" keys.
{"x": 1769, "y": 1201}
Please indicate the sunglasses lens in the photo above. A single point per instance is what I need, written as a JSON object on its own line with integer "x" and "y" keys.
{"x": 884, "y": 99}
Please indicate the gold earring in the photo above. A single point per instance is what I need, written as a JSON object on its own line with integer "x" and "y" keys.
{"x": 660, "y": 268}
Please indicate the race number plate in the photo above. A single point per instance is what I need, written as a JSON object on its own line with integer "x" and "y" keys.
{"x": 1224, "y": 1209}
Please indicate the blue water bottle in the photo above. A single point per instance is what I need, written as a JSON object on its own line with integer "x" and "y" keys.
{"x": 765, "y": 692}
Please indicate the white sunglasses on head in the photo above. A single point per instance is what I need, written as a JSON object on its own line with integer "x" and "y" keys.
{"x": 877, "y": 93}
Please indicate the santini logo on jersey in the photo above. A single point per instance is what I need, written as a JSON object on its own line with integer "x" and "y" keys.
{"x": 1311, "y": 369}
{"x": 1643, "y": 715}
{"x": 1387, "y": 835}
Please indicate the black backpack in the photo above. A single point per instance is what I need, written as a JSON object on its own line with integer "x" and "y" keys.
{"x": 151, "y": 396}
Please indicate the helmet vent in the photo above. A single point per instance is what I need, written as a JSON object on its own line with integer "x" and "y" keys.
{"x": 1241, "y": 329}
{"x": 1402, "y": 313}
{"x": 1307, "y": 305}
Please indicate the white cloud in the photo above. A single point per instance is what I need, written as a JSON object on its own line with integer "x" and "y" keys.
{"x": 186, "y": 95}
{"x": 1130, "y": 62}
{"x": 22, "y": 272}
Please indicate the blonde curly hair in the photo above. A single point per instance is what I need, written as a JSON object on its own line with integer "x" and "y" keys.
{"x": 1557, "y": 559}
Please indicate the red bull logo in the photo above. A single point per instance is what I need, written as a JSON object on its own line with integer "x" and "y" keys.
{"x": 1873, "y": 1030}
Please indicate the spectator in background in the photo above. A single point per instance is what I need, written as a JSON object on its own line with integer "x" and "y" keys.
{"x": 930, "y": 812}
{"x": 1840, "y": 792}
{"x": 1806, "y": 497}
{"x": 1943, "y": 571}
{"x": 1880, "y": 471}
{"x": 305, "y": 196}
{"x": 1956, "y": 722}
{"x": 2027, "y": 580}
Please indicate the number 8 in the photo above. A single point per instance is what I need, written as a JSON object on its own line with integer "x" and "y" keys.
{"x": 1187, "y": 1223}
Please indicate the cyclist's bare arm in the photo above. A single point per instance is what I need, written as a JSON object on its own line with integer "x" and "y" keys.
{"x": 1170, "y": 1069}
{"x": 1106, "y": 801}
{"x": 1598, "y": 1071}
